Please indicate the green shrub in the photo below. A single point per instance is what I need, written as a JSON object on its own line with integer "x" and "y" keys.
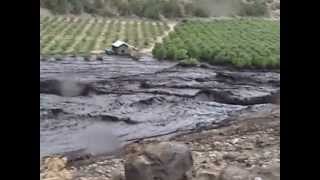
{"x": 159, "y": 52}
{"x": 181, "y": 54}
{"x": 201, "y": 12}
{"x": 257, "y": 8}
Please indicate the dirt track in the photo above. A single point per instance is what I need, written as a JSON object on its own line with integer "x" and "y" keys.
{"x": 159, "y": 39}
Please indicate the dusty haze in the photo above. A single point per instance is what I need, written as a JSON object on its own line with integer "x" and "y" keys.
{"x": 98, "y": 139}
{"x": 220, "y": 7}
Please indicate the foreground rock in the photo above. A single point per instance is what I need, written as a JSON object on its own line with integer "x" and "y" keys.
{"x": 54, "y": 168}
{"x": 235, "y": 173}
{"x": 163, "y": 161}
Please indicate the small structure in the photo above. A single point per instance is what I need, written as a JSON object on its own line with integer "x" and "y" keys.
{"x": 120, "y": 48}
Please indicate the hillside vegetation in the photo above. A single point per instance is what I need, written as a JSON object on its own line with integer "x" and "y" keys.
{"x": 157, "y": 9}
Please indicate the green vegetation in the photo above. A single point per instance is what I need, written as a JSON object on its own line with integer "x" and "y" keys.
{"x": 189, "y": 62}
{"x": 75, "y": 35}
{"x": 240, "y": 42}
{"x": 155, "y": 9}
{"x": 255, "y": 8}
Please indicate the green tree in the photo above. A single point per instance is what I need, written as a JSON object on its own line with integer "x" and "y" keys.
{"x": 181, "y": 54}
{"x": 98, "y": 4}
{"x": 171, "y": 52}
{"x": 171, "y": 9}
{"x": 76, "y": 6}
{"x": 159, "y": 52}
{"x": 194, "y": 52}
{"x": 152, "y": 12}
{"x": 137, "y": 7}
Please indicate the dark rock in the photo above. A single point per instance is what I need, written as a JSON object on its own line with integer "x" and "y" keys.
{"x": 100, "y": 58}
{"x": 235, "y": 173}
{"x": 59, "y": 58}
{"x": 163, "y": 161}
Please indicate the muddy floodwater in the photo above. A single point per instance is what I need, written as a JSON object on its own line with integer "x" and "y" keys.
{"x": 99, "y": 105}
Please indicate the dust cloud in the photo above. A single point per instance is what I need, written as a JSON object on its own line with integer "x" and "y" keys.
{"x": 220, "y": 7}
{"x": 69, "y": 88}
{"x": 98, "y": 139}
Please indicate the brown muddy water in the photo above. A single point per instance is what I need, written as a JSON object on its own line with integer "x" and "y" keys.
{"x": 100, "y": 105}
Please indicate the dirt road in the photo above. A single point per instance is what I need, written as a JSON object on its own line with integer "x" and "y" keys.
{"x": 159, "y": 39}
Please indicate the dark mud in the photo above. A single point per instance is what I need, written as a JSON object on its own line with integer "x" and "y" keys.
{"x": 100, "y": 105}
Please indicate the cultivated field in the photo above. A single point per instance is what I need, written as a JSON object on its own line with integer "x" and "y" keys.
{"x": 79, "y": 35}
{"x": 241, "y": 42}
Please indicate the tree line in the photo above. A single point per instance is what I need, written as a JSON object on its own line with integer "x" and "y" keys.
{"x": 154, "y": 9}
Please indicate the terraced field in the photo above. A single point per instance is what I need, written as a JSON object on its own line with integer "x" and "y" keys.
{"x": 78, "y": 35}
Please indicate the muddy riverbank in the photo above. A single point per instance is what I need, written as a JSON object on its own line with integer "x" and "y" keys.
{"x": 118, "y": 100}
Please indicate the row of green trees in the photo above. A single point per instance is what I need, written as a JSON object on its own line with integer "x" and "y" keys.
{"x": 243, "y": 44}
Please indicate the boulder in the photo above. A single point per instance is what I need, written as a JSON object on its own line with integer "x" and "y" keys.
{"x": 100, "y": 58}
{"x": 235, "y": 173}
{"x": 51, "y": 59}
{"x": 117, "y": 175}
{"x": 268, "y": 173}
{"x": 59, "y": 58}
{"x": 207, "y": 175}
{"x": 162, "y": 161}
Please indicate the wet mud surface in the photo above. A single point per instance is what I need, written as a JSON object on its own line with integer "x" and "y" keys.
{"x": 84, "y": 104}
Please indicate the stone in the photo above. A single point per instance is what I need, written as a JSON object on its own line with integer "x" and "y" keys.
{"x": 161, "y": 161}
{"x": 51, "y": 59}
{"x": 92, "y": 58}
{"x": 242, "y": 158}
{"x": 79, "y": 58}
{"x": 270, "y": 173}
{"x": 55, "y": 163}
{"x": 235, "y": 141}
{"x": 100, "y": 58}
{"x": 58, "y": 58}
{"x": 234, "y": 173}
{"x": 117, "y": 175}
{"x": 207, "y": 175}
{"x": 231, "y": 156}
{"x": 87, "y": 58}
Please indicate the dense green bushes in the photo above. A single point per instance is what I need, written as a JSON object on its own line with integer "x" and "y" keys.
{"x": 241, "y": 42}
